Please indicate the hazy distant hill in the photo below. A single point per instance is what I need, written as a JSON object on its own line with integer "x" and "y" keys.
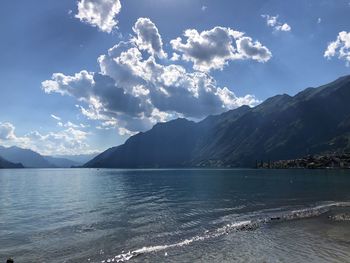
{"x": 6, "y": 164}
{"x": 316, "y": 120}
{"x": 79, "y": 159}
{"x": 26, "y": 157}
{"x": 61, "y": 162}
{"x": 31, "y": 159}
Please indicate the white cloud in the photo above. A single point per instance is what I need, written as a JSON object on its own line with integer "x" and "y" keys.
{"x": 133, "y": 91}
{"x": 285, "y": 27}
{"x": 148, "y": 38}
{"x": 79, "y": 85}
{"x": 100, "y": 91}
{"x": 319, "y": 20}
{"x": 252, "y": 50}
{"x": 203, "y": 8}
{"x": 68, "y": 141}
{"x": 55, "y": 117}
{"x": 99, "y": 13}
{"x": 175, "y": 57}
{"x": 272, "y": 21}
{"x": 84, "y": 125}
{"x": 122, "y": 131}
{"x": 340, "y": 47}
{"x": 7, "y": 131}
{"x": 213, "y": 49}
{"x": 70, "y": 125}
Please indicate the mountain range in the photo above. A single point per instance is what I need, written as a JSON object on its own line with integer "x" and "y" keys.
{"x": 314, "y": 121}
{"x": 79, "y": 159}
{"x": 31, "y": 159}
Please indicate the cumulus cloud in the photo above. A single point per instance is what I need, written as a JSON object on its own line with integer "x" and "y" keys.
{"x": 99, "y": 13}
{"x": 98, "y": 90}
{"x": 7, "y": 131}
{"x": 272, "y": 21}
{"x": 133, "y": 90}
{"x": 67, "y": 141}
{"x": 213, "y": 49}
{"x": 78, "y": 85}
{"x": 340, "y": 47}
{"x": 148, "y": 38}
{"x": 253, "y": 50}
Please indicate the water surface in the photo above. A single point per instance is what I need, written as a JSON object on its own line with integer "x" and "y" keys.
{"x": 91, "y": 215}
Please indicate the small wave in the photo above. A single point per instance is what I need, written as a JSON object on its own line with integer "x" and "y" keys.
{"x": 244, "y": 225}
{"x": 340, "y": 217}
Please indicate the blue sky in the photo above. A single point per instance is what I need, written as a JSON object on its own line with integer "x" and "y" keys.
{"x": 228, "y": 53}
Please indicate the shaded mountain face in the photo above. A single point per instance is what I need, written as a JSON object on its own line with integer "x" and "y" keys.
{"x": 6, "y": 164}
{"x": 168, "y": 144}
{"x": 316, "y": 120}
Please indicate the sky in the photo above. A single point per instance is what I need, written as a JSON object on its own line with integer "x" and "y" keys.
{"x": 82, "y": 76}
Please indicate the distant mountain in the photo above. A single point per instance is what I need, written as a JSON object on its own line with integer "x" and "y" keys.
{"x": 28, "y": 158}
{"x": 6, "y": 164}
{"x": 78, "y": 159}
{"x": 316, "y": 120}
{"x": 62, "y": 162}
{"x": 31, "y": 159}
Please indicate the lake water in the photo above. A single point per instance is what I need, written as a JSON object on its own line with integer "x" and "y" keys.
{"x": 90, "y": 215}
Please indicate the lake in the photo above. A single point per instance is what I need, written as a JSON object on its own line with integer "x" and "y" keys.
{"x": 105, "y": 215}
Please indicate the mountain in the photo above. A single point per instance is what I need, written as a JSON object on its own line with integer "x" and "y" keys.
{"x": 31, "y": 159}
{"x": 78, "y": 159}
{"x": 6, "y": 164}
{"x": 61, "y": 162}
{"x": 316, "y": 120}
{"x": 165, "y": 145}
{"x": 28, "y": 158}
